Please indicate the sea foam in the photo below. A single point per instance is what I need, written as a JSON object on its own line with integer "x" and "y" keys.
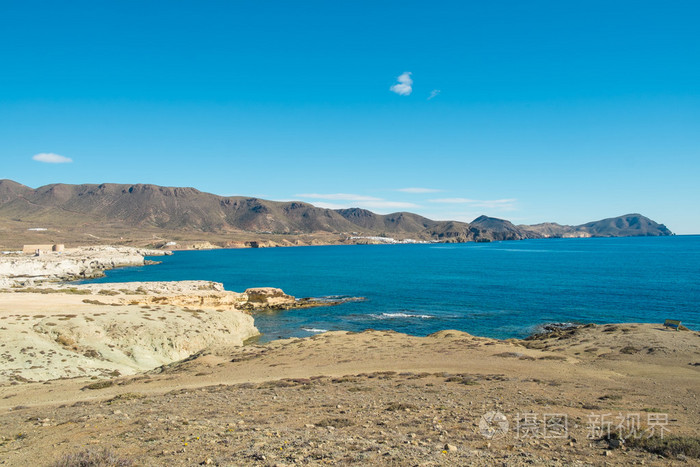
{"x": 400, "y": 315}
{"x": 315, "y": 330}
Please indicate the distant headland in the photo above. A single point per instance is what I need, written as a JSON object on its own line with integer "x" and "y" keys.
{"x": 186, "y": 218}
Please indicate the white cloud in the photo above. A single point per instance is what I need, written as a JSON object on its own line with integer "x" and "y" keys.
{"x": 507, "y": 204}
{"x": 404, "y": 87}
{"x": 348, "y": 200}
{"x": 433, "y": 93}
{"x": 418, "y": 190}
{"x": 502, "y": 204}
{"x": 382, "y": 204}
{"x": 338, "y": 196}
{"x": 51, "y": 158}
{"x": 453, "y": 200}
{"x": 324, "y": 205}
{"x": 460, "y": 216}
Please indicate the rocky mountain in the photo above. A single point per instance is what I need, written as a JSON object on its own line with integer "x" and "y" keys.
{"x": 629, "y": 225}
{"x": 158, "y": 209}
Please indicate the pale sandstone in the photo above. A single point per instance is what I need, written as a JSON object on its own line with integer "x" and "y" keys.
{"x": 56, "y": 335}
{"x": 72, "y": 264}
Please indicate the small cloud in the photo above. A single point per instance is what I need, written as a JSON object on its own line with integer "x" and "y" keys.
{"x": 379, "y": 205}
{"x": 404, "y": 87}
{"x": 338, "y": 196}
{"x": 418, "y": 190}
{"x": 348, "y": 200}
{"x": 382, "y": 204}
{"x": 324, "y": 205}
{"x": 453, "y": 200}
{"x": 507, "y": 204}
{"x": 433, "y": 93}
{"x": 51, "y": 158}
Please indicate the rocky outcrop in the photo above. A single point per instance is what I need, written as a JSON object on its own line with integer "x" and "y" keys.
{"x": 272, "y": 299}
{"x": 113, "y": 329}
{"x": 52, "y": 331}
{"x": 58, "y": 331}
{"x": 267, "y": 298}
{"x": 73, "y": 264}
{"x": 203, "y": 295}
{"x": 185, "y": 294}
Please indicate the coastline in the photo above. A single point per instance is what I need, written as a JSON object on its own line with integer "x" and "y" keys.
{"x": 68, "y": 330}
{"x": 165, "y": 363}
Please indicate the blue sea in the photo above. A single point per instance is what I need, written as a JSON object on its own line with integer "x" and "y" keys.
{"x": 499, "y": 289}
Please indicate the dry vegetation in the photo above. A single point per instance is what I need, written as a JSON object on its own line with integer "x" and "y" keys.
{"x": 396, "y": 400}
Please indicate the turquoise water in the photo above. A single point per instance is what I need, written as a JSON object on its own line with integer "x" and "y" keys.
{"x": 500, "y": 289}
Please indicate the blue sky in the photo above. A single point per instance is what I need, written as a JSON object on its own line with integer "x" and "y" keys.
{"x": 530, "y": 111}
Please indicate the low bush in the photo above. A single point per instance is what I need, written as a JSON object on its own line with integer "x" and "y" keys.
{"x": 93, "y": 458}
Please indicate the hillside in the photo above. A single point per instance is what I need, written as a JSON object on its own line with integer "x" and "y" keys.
{"x": 149, "y": 214}
{"x": 629, "y": 225}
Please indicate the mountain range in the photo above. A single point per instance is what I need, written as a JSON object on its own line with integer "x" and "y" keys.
{"x": 69, "y": 211}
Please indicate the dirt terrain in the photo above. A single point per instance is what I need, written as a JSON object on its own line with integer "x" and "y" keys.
{"x": 381, "y": 398}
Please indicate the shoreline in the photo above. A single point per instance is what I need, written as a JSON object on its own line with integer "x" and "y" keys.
{"x": 266, "y": 243}
{"x": 158, "y": 371}
{"x": 413, "y": 242}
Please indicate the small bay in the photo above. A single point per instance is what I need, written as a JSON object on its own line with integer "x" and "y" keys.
{"x": 498, "y": 289}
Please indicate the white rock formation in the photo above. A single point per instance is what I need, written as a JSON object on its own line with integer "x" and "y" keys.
{"x": 73, "y": 264}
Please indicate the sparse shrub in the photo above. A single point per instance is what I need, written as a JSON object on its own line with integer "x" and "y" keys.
{"x": 108, "y": 292}
{"x": 65, "y": 341}
{"x": 335, "y": 422}
{"x": 127, "y": 396}
{"x": 36, "y": 290}
{"x": 610, "y": 397}
{"x": 552, "y": 357}
{"x": 668, "y": 446}
{"x": 75, "y": 291}
{"x": 508, "y": 355}
{"x": 99, "y": 385}
{"x": 93, "y": 302}
{"x": 359, "y": 389}
{"x": 277, "y": 384}
{"x": 93, "y": 458}
{"x": 92, "y": 353}
{"x": 462, "y": 379}
{"x": 394, "y": 406}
